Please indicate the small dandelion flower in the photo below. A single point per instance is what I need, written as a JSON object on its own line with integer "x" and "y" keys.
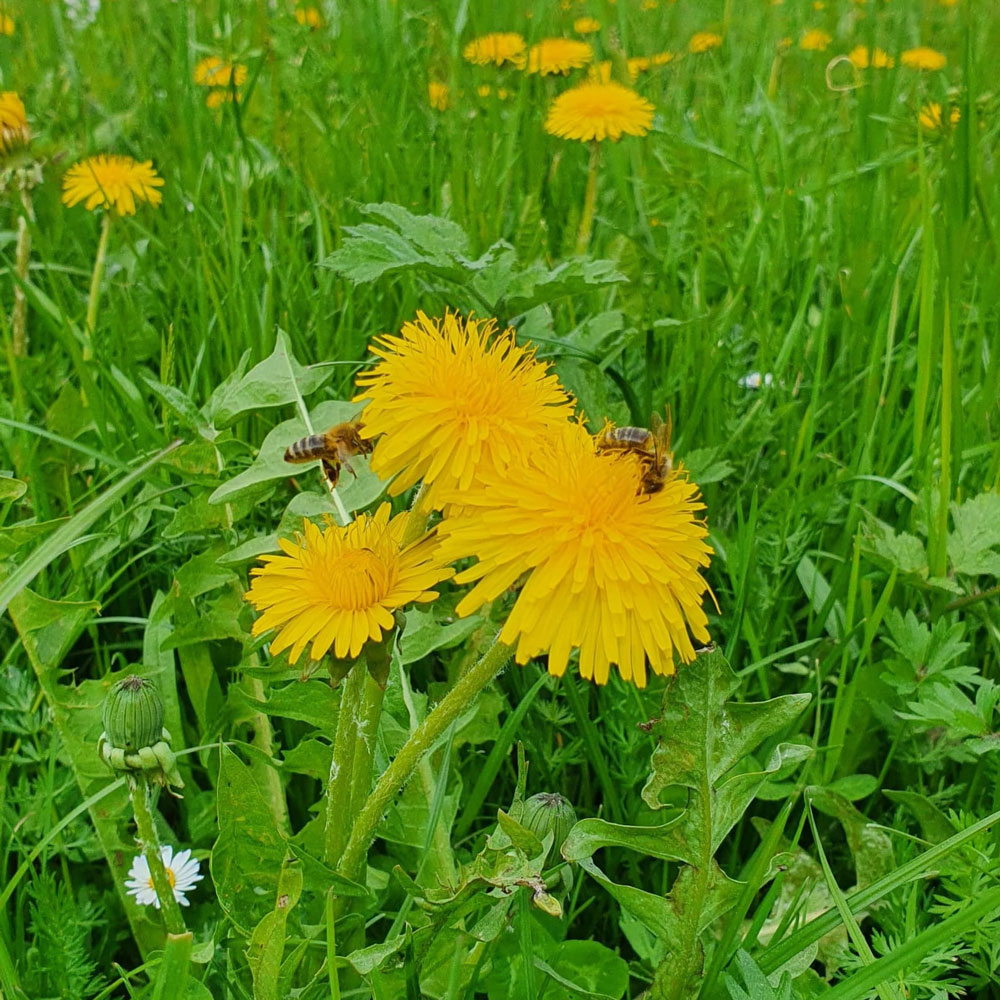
{"x": 216, "y": 98}
{"x": 599, "y": 111}
{"x": 14, "y": 132}
{"x": 6, "y": 24}
{"x": 182, "y": 872}
{"x": 438, "y": 95}
{"x": 586, "y": 25}
{"x": 649, "y": 5}
{"x": 116, "y": 182}
{"x": 558, "y": 55}
{"x": 599, "y": 72}
{"x": 703, "y": 41}
{"x": 213, "y": 71}
{"x": 637, "y": 65}
{"x": 338, "y": 587}
{"x": 612, "y": 573}
{"x": 452, "y": 398}
{"x": 661, "y": 58}
{"x": 923, "y": 57}
{"x": 815, "y": 40}
{"x": 931, "y": 117}
{"x": 861, "y": 58}
{"x": 309, "y": 17}
{"x": 484, "y": 90}
{"x": 498, "y": 48}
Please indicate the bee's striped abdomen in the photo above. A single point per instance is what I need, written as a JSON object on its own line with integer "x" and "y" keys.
{"x": 306, "y": 449}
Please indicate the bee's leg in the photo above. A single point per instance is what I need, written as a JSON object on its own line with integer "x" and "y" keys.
{"x": 350, "y": 468}
{"x": 331, "y": 472}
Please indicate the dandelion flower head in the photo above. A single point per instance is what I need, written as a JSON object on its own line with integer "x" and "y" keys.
{"x": 558, "y": 55}
{"x": 337, "y": 587}
{"x": 450, "y": 399}
{"x": 6, "y": 24}
{"x": 438, "y": 95}
{"x": 14, "y": 131}
{"x": 610, "y": 572}
{"x": 815, "y": 40}
{"x": 213, "y": 71}
{"x": 598, "y": 110}
{"x": 182, "y": 873}
{"x": 923, "y": 57}
{"x": 861, "y": 58}
{"x": 309, "y": 17}
{"x": 932, "y": 118}
{"x": 498, "y": 48}
{"x": 586, "y": 25}
{"x": 116, "y": 182}
{"x": 702, "y": 41}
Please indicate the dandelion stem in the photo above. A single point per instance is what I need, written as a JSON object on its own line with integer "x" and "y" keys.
{"x": 364, "y": 747}
{"x": 589, "y": 202}
{"x": 19, "y": 319}
{"x": 456, "y": 701}
{"x": 338, "y": 788}
{"x": 173, "y": 920}
{"x": 95, "y": 287}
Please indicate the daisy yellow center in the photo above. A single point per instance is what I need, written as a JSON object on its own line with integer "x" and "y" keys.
{"x": 171, "y": 878}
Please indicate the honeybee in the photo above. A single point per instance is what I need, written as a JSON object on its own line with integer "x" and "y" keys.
{"x": 334, "y": 448}
{"x": 651, "y": 446}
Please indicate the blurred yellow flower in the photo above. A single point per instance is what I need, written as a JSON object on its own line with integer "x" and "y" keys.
{"x": 600, "y": 72}
{"x": 923, "y": 57}
{"x": 662, "y": 58}
{"x": 116, "y": 182}
{"x": 337, "y": 588}
{"x": 498, "y": 48}
{"x": 611, "y": 572}
{"x": 451, "y": 399}
{"x": 6, "y": 24}
{"x": 586, "y": 25}
{"x": 861, "y": 58}
{"x": 702, "y": 41}
{"x": 815, "y": 40}
{"x": 558, "y": 55}
{"x": 649, "y": 5}
{"x": 931, "y": 117}
{"x": 214, "y": 71}
{"x": 438, "y": 95}
{"x": 309, "y": 16}
{"x": 216, "y": 98}
{"x": 637, "y": 65}
{"x": 14, "y": 132}
{"x": 596, "y": 111}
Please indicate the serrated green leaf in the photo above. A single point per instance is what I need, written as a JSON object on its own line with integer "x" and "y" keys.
{"x": 973, "y": 544}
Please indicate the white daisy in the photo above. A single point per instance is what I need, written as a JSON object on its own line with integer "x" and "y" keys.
{"x": 182, "y": 871}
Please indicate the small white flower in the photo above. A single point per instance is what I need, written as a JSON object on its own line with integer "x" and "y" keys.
{"x": 182, "y": 871}
{"x": 754, "y": 380}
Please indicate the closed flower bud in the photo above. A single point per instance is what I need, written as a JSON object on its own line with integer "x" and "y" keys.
{"x": 133, "y": 714}
{"x": 549, "y": 812}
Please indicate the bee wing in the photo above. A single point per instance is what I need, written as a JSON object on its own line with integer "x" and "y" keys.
{"x": 662, "y": 429}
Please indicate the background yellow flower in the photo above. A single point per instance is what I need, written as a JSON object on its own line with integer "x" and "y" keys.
{"x": 498, "y": 48}
{"x": 558, "y": 55}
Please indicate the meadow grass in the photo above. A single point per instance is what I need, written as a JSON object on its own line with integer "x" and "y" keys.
{"x": 786, "y": 216}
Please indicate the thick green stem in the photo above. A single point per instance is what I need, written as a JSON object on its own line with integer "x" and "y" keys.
{"x": 589, "y": 202}
{"x": 456, "y": 701}
{"x": 364, "y": 747}
{"x": 95, "y": 287}
{"x": 172, "y": 977}
{"x": 338, "y": 789}
{"x": 267, "y": 776}
{"x": 19, "y": 319}
{"x": 141, "y": 806}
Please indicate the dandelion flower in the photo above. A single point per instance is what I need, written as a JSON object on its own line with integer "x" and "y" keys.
{"x": 112, "y": 182}
{"x": 586, "y": 25}
{"x": 558, "y": 55}
{"x": 216, "y": 98}
{"x": 637, "y": 65}
{"x": 309, "y": 17}
{"x": 14, "y": 131}
{"x": 610, "y": 572}
{"x": 599, "y": 72}
{"x": 6, "y": 24}
{"x": 599, "y": 111}
{"x": 498, "y": 48}
{"x": 214, "y": 71}
{"x": 662, "y": 58}
{"x": 861, "y": 58}
{"x": 815, "y": 40}
{"x": 931, "y": 116}
{"x": 702, "y": 41}
{"x": 338, "y": 587}
{"x": 438, "y": 95}
{"x": 182, "y": 872}
{"x": 453, "y": 398}
{"x": 923, "y": 57}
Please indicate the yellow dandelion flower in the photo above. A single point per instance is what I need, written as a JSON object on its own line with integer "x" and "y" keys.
{"x": 702, "y": 41}
{"x": 438, "y": 95}
{"x": 484, "y": 90}
{"x": 586, "y": 25}
{"x": 599, "y": 72}
{"x": 611, "y": 573}
{"x": 338, "y": 587}
{"x": 815, "y": 40}
{"x": 931, "y": 117}
{"x": 6, "y": 24}
{"x": 662, "y": 58}
{"x": 309, "y": 17}
{"x": 599, "y": 111}
{"x": 453, "y": 398}
{"x": 214, "y": 71}
{"x": 14, "y": 132}
{"x": 923, "y": 57}
{"x": 649, "y": 5}
{"x": 216, "y": 98}
{"x": 861, "y": 58}
{"x": 637, "y": 65}
{"x": 558, "y": 55}
{"x": 116, "y": 182}
{"x": 498, "y": 48}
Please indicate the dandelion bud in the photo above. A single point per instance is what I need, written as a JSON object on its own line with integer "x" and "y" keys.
{"x": 549, "y": 812}
{"x": 14, "y": 132}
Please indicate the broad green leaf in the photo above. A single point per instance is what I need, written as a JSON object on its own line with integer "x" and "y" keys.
{"x": 935, "y": 826}
{"x": 758, "y": 985}
{"x": 424, "y": 633}
{"x": 584, "y": 969}
{"x": 855, "y": 786}
{"x": 590, "y": 835}
{"x": 369, "y": 252}
{"x": 974, "y": 544}
{"x": 202, "y": 574}
{"x": 870, "y": 846}
{"x": 182, "y": 407}
{"x": 11, "y": 489}
{"x": 267, "y": 942}
{"x": 312, "y": 701}
{"x": 311, "y": 757}
{"x": 901, "y": 551}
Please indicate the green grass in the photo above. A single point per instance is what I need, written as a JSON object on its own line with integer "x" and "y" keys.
{"x": 768, "y": 223}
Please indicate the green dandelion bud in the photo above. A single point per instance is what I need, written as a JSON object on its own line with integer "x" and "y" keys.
{"x": 547, "y": 813}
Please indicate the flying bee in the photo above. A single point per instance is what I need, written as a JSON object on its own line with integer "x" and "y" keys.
{"x": 650, "y": 445}
{"x": 334, "y": 448}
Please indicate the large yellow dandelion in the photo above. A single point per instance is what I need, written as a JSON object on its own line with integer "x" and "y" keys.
{"x": 498, "y": 48}
{"x": 338, "y": 587}
{"x": 703, "y": 41}
{"x": 116, "y": 182}
{"x": 213, "y": 71}
{"x": 558, "y": 55}
{"x": 877, "y": 58}
{"x": 599, "y": 111}
{"x": 923, "y": 57}
{"x": 451, "y": 399}
{"x": 14, "y": 131}
{"x": 610, "y": 572}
